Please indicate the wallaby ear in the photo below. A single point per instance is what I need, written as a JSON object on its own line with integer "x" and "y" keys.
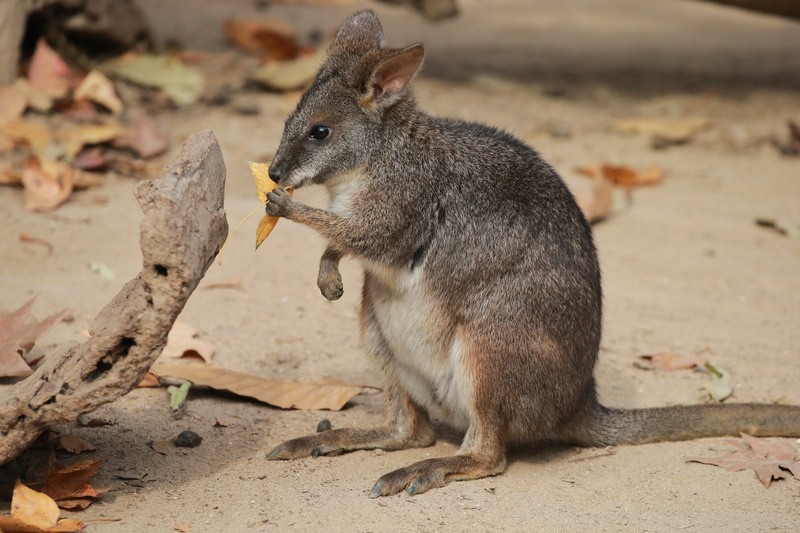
{"x": 362, "y": 30}
{"x": 392, "y": 74}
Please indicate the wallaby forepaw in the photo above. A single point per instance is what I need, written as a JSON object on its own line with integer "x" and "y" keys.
{"x": 331, "y": 286}
{"x": 279, "y": 204}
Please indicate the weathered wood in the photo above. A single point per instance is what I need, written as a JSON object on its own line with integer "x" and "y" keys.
{"x": 183, "y": 229}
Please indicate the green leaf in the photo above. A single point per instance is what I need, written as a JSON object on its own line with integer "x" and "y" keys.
{"x": 177, "y": 395}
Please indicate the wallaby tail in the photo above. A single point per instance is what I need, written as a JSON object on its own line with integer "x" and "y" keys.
{"x": 603, "y": 426}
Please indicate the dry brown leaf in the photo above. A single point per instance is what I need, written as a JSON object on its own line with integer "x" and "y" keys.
{"x": 24, "y": 237}
{"x": 149, "y": 380}
{"x": 230, "y": 284}
{"x": 181, "y": 342}
{"x": 143, "y": 137}
{"x": 35, "y": 135}
{"x": 292, "y": 74}
{"x": 672, "y": 130}
{"x": 48, "y": 183}
{"x": 34, "y": 512}
{"x": 12, "y": 103}
{"x": 48, "y": 72}
{"x": 70, "y": 482}
{"x": 623, "y": 175}
{"x": 280, "y": 393}
{"x": 164, "y": 447}
{"x": 671, "y": 361}
{"x": 97, "y": 88}
{"x": 266, "y": 38}
{"x": 74, "y": 138}
{"x": 18, "y": 336}
{"x": 184, "y": 528}
{"x": 72, "y": 444}
{"x": 597, "y": 204}
{"x": 104, "y": 416}
{"x": 74, "y": 504}
{"x": 769, "y": 461}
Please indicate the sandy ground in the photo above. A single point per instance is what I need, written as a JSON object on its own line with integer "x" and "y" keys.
{"x": 685, "y": 270}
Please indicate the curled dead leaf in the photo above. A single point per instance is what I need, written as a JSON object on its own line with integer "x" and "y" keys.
{"x": 48, "y": 183}
{"x": 72, "y": 444}
{"x": 35, "y": 512}
{"x": 97, "y": 88}
{"x": 48, "y": 72}
{"x": 267, "y": 38}
{"x": 181, "y": 342}
{"x": 72, "y": 481}
{"x": 623, "y": 175}
{"x": 671, "y": 361}
{"x": 284, "y": 394}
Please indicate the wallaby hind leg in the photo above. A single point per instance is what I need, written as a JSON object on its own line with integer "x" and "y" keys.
{"x": 482, "y": 454}
{"x": 329, "y": 279}
{"x": 409, "y": 426}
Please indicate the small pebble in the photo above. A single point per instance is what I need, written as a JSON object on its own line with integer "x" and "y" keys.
{"x": 188, "y": 439}
{"x": 324, "y": 425}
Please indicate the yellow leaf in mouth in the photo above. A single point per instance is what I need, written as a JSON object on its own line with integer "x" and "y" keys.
{"x": 264, "y": 185}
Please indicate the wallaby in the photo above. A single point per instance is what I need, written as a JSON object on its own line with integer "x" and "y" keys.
{"x": 481, "y": 294}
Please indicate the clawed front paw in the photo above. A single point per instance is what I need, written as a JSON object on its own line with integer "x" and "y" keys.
{"x": 279, "y": 204}
{"x": 330, "y": 284}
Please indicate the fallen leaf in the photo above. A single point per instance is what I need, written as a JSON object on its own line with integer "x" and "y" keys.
{"x": 721, "y": 386}
{"x": 74, "y": 504}
{"x": 769, "y": 461}
{"x": 12, "y": 103}
{"x": 48, "y": 183}
{"x": 178, "y": 395}
{"x": 597, "y": 204}
{"x": 284, "y": 394}
{"x": 69, "y": 482}
{"x": 665, "y": 131}
{"x": 184, "y": 528}
{"x": 671, "y": 361}
{"x": 181, "y": 342}
{"x": 104, "y": 416}
{"x": 72, "y": 444}
{"x": 90, "y": 159}
{"x": 181, "y": 83}
{"x": 24, "y": 237}
{"x": 74, "y": 138}
{"x": 102, "y": 270}
{"x": 623, "y": 175}
{"x": 35, "y": 135}
{"x": 37, "y": 100}
{"x": 266, "y": 38}
{"x": 149, "y": 380}
{"x": 784, "y": 227}
{"x": 292, "y": 74}
{"x": 48, "y": 72}
{"x": 221, "y": 423}
{"x": 34, "y": 512}
{"x": 264, "y": 185}
{"x": 97, "y": 88}
{"x": 17, "y": 336}
{"x": 164, "y": 447}
{"x": 144, "y": 137}
{"x": 230, "y": 284}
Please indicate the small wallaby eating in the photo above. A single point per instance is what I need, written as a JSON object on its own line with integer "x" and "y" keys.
{"x": 481, "y": 296}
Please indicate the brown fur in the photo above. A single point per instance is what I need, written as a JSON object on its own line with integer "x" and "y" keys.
{"x": 481, "y": 294}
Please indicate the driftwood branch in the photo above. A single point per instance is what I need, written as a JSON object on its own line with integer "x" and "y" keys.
{"x": 183, "y": 230}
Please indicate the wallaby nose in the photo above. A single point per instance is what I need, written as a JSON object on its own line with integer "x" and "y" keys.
{"x": 275, "y": 171}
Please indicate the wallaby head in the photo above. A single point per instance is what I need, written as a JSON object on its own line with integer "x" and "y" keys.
{"x": 341, "y": 119}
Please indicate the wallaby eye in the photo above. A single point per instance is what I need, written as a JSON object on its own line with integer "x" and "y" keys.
{"x": 319, "y": 132}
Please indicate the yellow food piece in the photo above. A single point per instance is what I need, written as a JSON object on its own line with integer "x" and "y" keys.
{"x": 264, "y": 185}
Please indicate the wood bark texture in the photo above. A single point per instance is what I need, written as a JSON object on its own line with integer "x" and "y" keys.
{"x": 183, "y": 230}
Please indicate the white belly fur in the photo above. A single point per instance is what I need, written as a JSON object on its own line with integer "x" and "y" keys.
{"x": 428, "y": 354}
